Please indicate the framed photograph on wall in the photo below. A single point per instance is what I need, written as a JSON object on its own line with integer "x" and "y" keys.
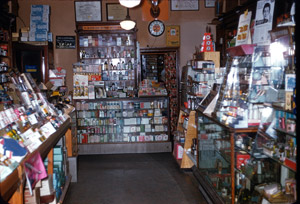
{"x": 184, "y": 5}
{"x": 87, "y": 11}
{"x": 115, "y": 12}
{"x": 210, "y": 3}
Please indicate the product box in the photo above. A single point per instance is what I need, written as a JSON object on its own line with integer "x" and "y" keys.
{"x": 147, "y": 128}
{"x": 241, "y": 159}
{"x": 178, "y": 151}
{"x": 126, "y": 129}
{"x": 57, "y": 150}
{"x": 24, "y": 39}
{"x": 47, "y": 186}
{"x": 141, "y": 138}
{"x": 165, "y": 137}
{"x": 147, "y": 138}
{"x": 39, "y": 26}
{"x": 157, "y": 120}
{"x": 38, "y": 36}
{"x": 130, "y": 121}
{"x": 34, "y": 198}
{"x": 36, "y": 9}
{"x": 145, "y": 121}
{"x": 132, "y": 128}
{"x": 214, "y": 56}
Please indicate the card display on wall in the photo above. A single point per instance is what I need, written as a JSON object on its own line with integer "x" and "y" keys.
{"x": 86, "y": 11}
{"x": 115, "y": 12}
{"x": 173, "y": 36}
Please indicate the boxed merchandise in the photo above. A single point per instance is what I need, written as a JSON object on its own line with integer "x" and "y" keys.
{"x": 39, "y": 26}
{"x": 57, "y": 150}
{"x": 38, "y": 9}
{"x": 178, "y": 151}
{"x": 147, "y": 128}
{"x": 47, "y": 186}
{"x": 38, "y": 36}
{"x": 34, "y": 198}
{"x": 130, "y": 121}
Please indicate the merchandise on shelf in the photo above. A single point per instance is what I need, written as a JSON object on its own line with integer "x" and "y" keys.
{"x": 107, "y": 67}
{"x": 151, "y": 88}
{"x": 134, "y": 120}
{"x": 29, "y": 124}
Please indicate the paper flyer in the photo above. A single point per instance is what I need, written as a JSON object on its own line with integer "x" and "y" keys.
{"x": 263, "y": 22}
{"x": 243, "y": 35}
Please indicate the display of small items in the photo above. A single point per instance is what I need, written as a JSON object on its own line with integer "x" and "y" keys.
{"x": 122, "y": 121}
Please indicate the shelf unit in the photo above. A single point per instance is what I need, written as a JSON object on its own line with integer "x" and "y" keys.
{"x": 129, "y": 125}
{"x": 107, "y": 56}
{"x": 12, "y": 187}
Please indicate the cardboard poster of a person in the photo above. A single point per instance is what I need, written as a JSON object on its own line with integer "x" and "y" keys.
{"x": 263, "y": 22}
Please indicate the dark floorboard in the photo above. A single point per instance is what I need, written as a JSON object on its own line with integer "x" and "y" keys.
{"x": 132, "y": 179}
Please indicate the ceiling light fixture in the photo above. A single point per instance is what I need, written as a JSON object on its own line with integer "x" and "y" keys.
{"x": 127, "y": 23}
{"x": 130, "y": 3}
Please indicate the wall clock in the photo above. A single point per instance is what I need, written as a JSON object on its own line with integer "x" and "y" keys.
{"x": 156, "y": 28}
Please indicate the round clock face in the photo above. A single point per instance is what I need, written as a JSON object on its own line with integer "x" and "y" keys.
{"x": 156, "y": 28}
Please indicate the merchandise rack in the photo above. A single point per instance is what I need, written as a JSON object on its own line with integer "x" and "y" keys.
{"x": 12, "y": 187}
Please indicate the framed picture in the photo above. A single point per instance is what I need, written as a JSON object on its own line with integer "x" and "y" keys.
{"x": 210, "y": 3}
{"x": 115, "y": 12}
{"x": 87, "y": 11}
{"x": 184, "y": 5}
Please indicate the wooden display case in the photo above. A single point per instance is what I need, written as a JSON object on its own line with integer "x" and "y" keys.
{"x": 12, "y": 187}
{"x": 184, "y": 135}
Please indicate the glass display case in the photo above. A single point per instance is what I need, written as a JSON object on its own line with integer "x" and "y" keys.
{"x": 134, "y": 120}
{"x": 252, "y": 133}
{"x": 232, "y": 105}
{"x": 216, "y": 141}
{"x": 107, "y": 62}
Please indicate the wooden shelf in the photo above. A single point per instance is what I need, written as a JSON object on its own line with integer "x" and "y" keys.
{"x": 190, "y": 133}
{"x": 12, "y": 182}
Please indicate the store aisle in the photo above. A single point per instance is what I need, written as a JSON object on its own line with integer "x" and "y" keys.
{"x": 132, "y": 179}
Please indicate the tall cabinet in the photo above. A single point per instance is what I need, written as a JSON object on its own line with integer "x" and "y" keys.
{"x": 110, "y": 116}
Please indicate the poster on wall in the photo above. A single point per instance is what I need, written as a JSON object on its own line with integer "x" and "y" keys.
{"x": 263, "y": 22}
{"x": 173, "y": 36}
{"x": 243, "y": 35}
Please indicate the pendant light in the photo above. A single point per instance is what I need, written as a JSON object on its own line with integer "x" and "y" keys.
{"x": 127, "y": 23}
{"x": 130, "y": 3}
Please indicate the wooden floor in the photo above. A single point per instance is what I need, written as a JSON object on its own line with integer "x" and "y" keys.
{"x": 132, "y": 179}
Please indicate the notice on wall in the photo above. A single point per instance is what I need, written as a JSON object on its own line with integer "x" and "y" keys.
{"x": 263, "y": 22}
{"x": 243, "y": 34}
{"x": 65, "y": 42}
